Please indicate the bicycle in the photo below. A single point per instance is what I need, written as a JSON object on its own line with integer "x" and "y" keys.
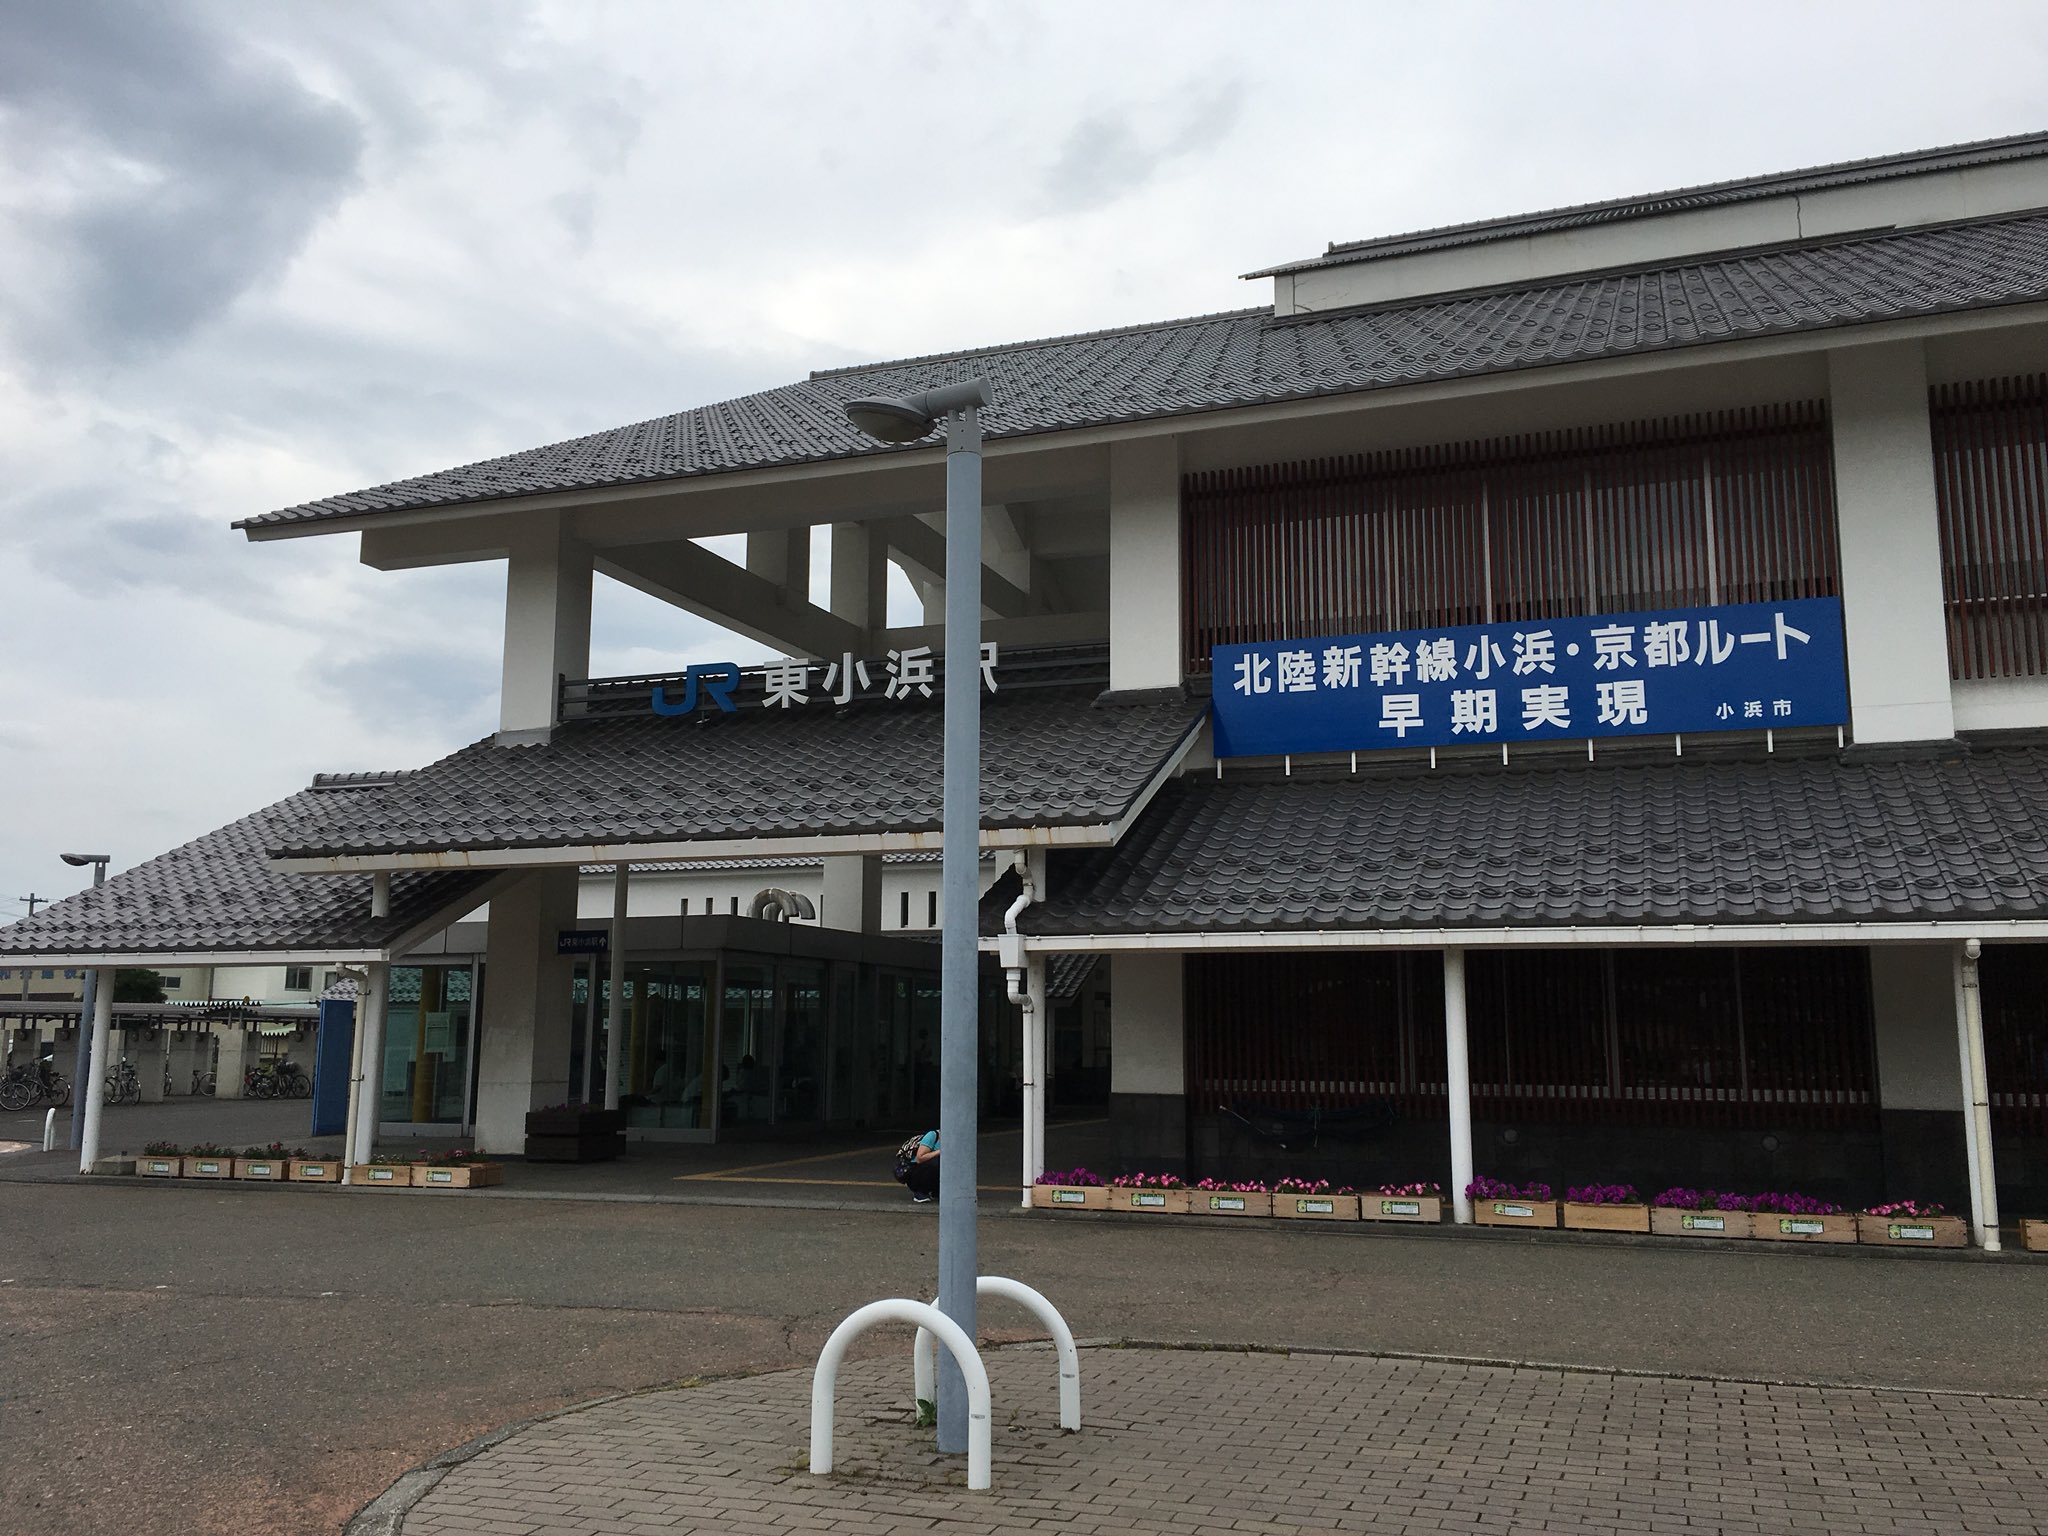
{"x": 124, "y": 1084}
{"x": 33, "y": 1083}
{"x": 292, "y": 1082}
{"x": 203, "y": 1083}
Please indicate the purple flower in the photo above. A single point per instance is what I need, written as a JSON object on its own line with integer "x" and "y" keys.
{"x": 1495, "y": 1189}
{"x": 1604, "y": 1194}
{"x": 1072, "y": 1177}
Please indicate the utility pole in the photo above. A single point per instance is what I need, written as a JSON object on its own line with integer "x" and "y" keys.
{"x": 33, "y": 901}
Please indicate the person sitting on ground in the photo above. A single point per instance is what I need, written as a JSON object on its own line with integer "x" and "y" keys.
{"x": 922, "y": 1176}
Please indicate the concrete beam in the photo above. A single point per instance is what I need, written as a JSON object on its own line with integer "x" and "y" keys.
{"x": 712, "y": 587}
{"x": 925, "y": 547}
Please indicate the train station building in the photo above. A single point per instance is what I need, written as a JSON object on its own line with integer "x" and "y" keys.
{"x": 1564, "y": 696}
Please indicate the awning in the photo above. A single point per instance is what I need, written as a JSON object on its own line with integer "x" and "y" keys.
{"x": 1829, "y": 847}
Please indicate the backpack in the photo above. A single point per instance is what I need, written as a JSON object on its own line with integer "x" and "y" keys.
{"x": 906, "y": 1158}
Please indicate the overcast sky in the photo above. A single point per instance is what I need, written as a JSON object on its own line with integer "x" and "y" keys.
{"x": 253, "y": 254}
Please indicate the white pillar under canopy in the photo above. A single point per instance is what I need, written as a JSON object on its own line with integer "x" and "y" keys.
{"x": 1976, "y": 1099}
{"x": 615, "y": 993}
{"x": 102, "y": 1026}
{"x": 1458, "y": 1083}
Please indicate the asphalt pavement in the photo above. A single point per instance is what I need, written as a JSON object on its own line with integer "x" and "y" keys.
{"x": 257, "y": 1359}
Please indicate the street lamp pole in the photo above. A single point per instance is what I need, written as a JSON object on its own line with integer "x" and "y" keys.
{"x": 81, "y": 1066}
{"x": 958, "y": 407}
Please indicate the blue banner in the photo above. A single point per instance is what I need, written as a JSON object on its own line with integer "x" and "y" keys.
{"x": 1747, "y": 667}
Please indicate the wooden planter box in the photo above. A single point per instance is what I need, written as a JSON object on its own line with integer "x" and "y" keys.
{"x": 1070, "y": 1197}
{"x": 315, "y": 1170}
{"x": 380, "y": 1175}
{"x": 2034, "y": 1234}
{"x": 1581, "y": 1216}
{"x": 209, "y": 1167}
{"x": 457, "y": 1175}
{"x": 1912, "y": 1231}
{"x": 1838, "y": 1228}
{"x": 150, "y": 1166}
{"x": 574, "y": 1135}
{"x": 1231, "y": 1202}
{"x": 1295, "y": 1206}
{"x": 1427, "y": 1209}
{"x": 1515, "y": 1213}
{"x": 1158, "y": 1202}
{"x": 1671, "y": 1221}
{"x": 261, "y": 1168}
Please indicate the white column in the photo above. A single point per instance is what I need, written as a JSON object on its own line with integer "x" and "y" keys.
{"x": 150, "y": 1056}
{"x": 1899, "y": 686}
{"x": 783, "y": 556}
{"x": 547, "y": 627}
{"x": 372, "y": 1008}
{"x": 234, "y": 1055}
{"x": 616, "y": 1017}
{"x": 1458, "y": 1083}
{"x": 591, "y": 985}
{"x": 523, "y": 1046}
{"x": 96, "y": 1070}
{"x": 1144, "y": 563}
{"x": 851, "y": 894}
{"x": 860, "y": 577}
{"x": 1976, "y": 1100}
{"x": 1034, "y": 1070}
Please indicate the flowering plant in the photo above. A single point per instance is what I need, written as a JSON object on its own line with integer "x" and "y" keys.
{"x": 1072, "y": 1176}
{"x": 160, "y": 1149}
{"x": 1414, "y": 1191}
{"x": 1604, "y": 1194}
{"x": 1149, "y": 1181}
{"x": 1311, "y": 1187}
{"x": 1239, "y": 1187}
{"x": 1792, "y": 1205}
{"x": 1495, "y": 1189}
{"x": 207, "y": 1149}
{"x": 1681, "y": 1198}
{"x": 452, "y": 1156}
{"x": 276, "y": 1149}
{"x": 1911, "y": 1209}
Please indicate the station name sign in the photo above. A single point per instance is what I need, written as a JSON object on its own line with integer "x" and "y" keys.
{"x": 1742, "y": 667}
{"x": 913, "y": 672}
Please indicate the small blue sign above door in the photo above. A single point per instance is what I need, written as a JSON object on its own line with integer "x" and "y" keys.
{"x": 1745, "y": 667}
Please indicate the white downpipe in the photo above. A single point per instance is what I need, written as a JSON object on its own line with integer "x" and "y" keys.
{"x": 615, "y": 992}
{"x": 1977, "y": 1104}
{"x": 1458, "y": 1084}
{"x": 355, "y": 1069}
{"x": 825, "y": 1380}
{"x": 372, "y": 1004}
{"x": 96, "y": 1071}
{"x": 1019, "y": 974}
{"x": 924, "y": 1365}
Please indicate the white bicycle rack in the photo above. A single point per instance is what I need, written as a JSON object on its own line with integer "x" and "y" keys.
{"x": 929, "y": 1320}
{"x": 924, "y": 1353}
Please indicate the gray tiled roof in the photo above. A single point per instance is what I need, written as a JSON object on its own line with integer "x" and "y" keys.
{"x": 219, "y": 892}
{"x": 1054, "y": 757}
{"x": 1250, "y": 358}
{"x": 1844, "y": 173}
{"x": 1777, "y": 839}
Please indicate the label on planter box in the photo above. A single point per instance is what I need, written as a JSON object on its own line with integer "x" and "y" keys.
{"x": 209, "y": 1167}
{"x": 1226, "y": 1202}
{"x": 313, "y": 1170}
{"x": 1315, "y": 1207}
{"x": 1140, "y": 1200}
{"x": 262, "y": 1170}
{"x": 156, "y": 1166}
{"x": 1704, "y": 1223}
{"x": 1069, "y": 1197}
{"x": 1400, "y": 1207}
{"x": 1792, "y": 1226}
{"x": 1905, "y": 1234}
{"x": 1513, "y": 1210}
{"x": 382, "y": 1175}
{"x": 440, "y": 1176}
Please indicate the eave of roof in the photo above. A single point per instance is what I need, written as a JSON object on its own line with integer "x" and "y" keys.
{"x": 2019, "y": 146}
{"x": 1248, "y": 359}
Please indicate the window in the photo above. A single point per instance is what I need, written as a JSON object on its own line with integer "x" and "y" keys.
{"x": 1991, "y": 496}
{"x": 327, "y": 980}
{"x": 735, "y": 906}
{"x": 931, "y": 909}
{"x": 707, "y": 906}
{"x": 1733, "y": 508}
{"x": 171, "y": 983}
{"x": 69, "y": 975}
{"x": 297, "y": 978}
{"x": 903, "y": 920}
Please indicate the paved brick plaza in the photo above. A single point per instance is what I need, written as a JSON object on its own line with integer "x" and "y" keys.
{"x": 1211, "y": 1440}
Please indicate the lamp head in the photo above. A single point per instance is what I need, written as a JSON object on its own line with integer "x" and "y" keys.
{"x": 80, "y": 860}
{"x": 889, "y": 420}
{"x": 905, "y": 419}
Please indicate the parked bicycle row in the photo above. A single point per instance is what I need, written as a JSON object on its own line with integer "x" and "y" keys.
{"x": 31, "y": 1085}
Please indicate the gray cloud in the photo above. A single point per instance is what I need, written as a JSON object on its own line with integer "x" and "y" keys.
{"x": 204, "y": 165}
{"x": 1106, "y": 155}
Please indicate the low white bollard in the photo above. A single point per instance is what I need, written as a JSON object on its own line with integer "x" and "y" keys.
{"x": 928, "y": 1319}
{"x": 50, "y": 1131}
{"x": 924, "y": 1355}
